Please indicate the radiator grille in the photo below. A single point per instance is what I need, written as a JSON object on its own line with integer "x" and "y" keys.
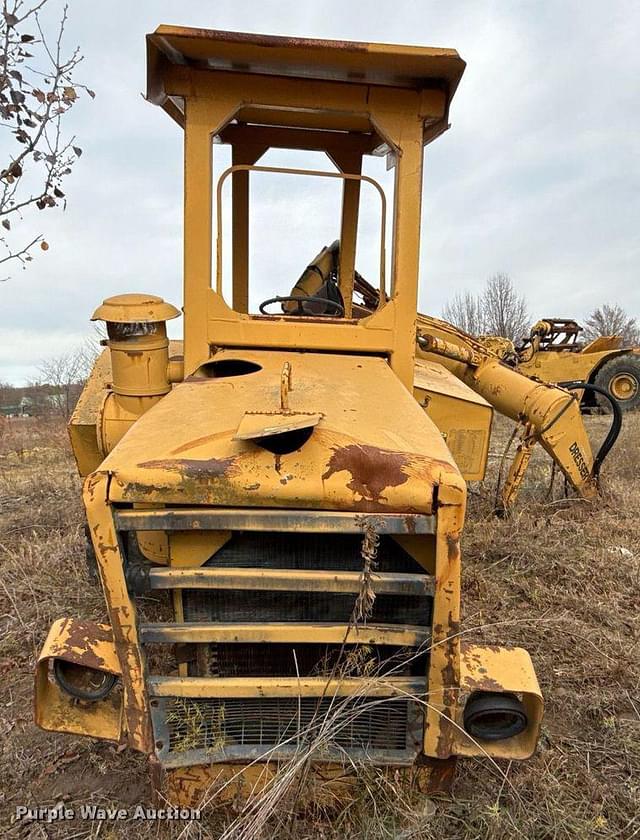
{"x": 232, "y": 727}
{"x": 245, "y": 605}
{"x": 332, "y": 552}
{"x": 304, "y": 660}
{"x": 309, "y": 551}
{"x": 335, "y": 552}
{"x": 383, "y": 730}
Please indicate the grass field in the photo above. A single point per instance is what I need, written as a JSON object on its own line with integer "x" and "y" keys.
{"x": 560, "y": 577}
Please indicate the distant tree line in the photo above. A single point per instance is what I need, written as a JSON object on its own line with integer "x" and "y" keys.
{"x": 38, "y": 400}
{"x": 56, "y": 390}
{"x": 499, "y": 309}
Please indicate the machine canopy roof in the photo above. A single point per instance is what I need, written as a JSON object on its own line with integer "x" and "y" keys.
{"x": 345, "y": 61}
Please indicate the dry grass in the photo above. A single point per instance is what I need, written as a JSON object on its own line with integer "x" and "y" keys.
{"x": 560, "y": 577}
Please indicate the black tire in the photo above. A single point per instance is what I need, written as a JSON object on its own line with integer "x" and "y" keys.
{"x": 490, "y": 716}
{"x": 620, "y": 376}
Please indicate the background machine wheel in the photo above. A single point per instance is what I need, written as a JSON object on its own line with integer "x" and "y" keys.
{"x": 621, "y": 378}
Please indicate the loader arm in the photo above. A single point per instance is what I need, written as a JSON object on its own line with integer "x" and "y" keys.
{"x": 547, "y": 414}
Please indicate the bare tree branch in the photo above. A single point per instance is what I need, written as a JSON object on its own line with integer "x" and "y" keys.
{"x": 37, "y": 89}
{"x": 611, "y": 319}
{"x": 504, "y": 309}
{"x": 464, "y": 311}
{"x": 66, "y": 374}
{"x": 498, "y": 310}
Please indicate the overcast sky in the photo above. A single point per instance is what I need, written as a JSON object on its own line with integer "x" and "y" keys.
{"x": 538, "y": 177}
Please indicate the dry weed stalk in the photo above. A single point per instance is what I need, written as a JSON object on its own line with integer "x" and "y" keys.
{"x": 365, "y": 600}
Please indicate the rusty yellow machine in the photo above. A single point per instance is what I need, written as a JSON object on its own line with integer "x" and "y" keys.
{"x": 544, "y": 413}
{"x": 276, "y": 521}
{"x": 554, "y": 352}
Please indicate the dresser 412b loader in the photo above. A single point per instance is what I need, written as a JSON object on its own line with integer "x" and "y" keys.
{"x": 276, "y": 521}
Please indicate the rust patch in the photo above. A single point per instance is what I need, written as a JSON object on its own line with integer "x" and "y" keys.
{"x": 450, "y": 683}
{"x": 454, "y": 628}
{"x": 138, "y": 724}
{"x": 373, "y": 506}
{"x": 449, "y": 673}
{"x": 372, "y": 470}
{"x": 134, "y": 489}
{"x": 453, "y": 547}
{"x": 193, "y": 468}
{"x": 470, "y": 654}
{"x": 78, "y": 646}
{"x": 434, "y": 775}
{"x": 410, "y": 524}
{"x": 157, "y": 775}
{"x": 443, "y": 775}
{"x": 444, "y": 745}
{"x": 483, "y": 684}
{"x": 273, "y": 41}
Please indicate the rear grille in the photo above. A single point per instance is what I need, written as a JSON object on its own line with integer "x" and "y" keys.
{"x": 304, "y": 660}
{"x": 334, "y": 552}
{"x": 225, "y": 729}
{"x": 250, "y": 724}
{"x": 244, "y": 605}
{"x": 308, "y": 551}
{"x": 337, "y": 552}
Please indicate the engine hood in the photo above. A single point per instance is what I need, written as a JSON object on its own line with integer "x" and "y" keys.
{"x": 211, "y": 441}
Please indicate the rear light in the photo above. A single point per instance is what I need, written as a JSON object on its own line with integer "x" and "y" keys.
{"x": 490, "y": 716}
{"x": 83, "y": 683}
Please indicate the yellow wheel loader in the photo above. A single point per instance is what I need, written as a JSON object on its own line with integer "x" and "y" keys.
{"x": 554, "y": 352}
{"x": 275, "y": 519}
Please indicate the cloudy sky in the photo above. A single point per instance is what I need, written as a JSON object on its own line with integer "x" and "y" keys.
{"x": 539, "y": 175}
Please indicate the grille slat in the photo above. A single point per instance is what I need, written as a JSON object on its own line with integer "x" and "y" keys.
{"x": 284, "y": 631}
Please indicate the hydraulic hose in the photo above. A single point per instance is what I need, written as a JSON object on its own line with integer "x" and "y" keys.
{"x": 616, "y": 422}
